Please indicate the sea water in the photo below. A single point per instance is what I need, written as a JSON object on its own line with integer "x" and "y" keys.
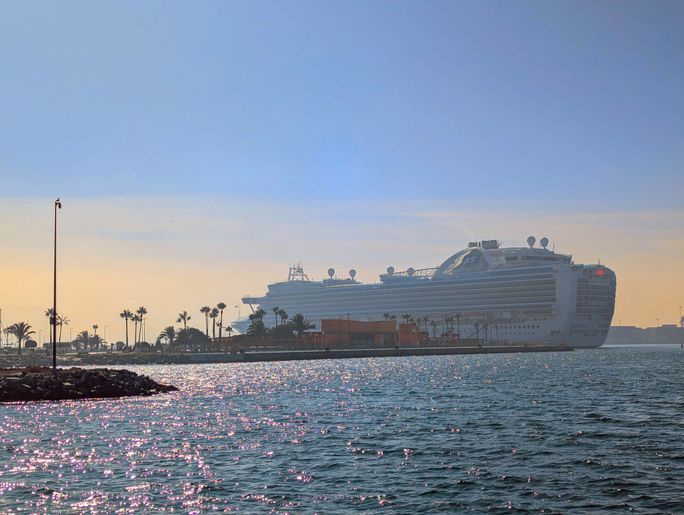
{"x": 574, "y": 431}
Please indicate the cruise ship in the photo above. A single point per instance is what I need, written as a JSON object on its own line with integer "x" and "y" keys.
{"x": 500, "y": 294}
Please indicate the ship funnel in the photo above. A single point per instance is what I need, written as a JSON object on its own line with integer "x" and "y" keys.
{"x": 531, "y": 241}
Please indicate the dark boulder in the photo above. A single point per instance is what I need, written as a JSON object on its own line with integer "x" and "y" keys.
{"x": 37, "y": 384}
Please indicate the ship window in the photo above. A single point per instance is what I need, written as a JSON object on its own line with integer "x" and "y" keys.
{"x": 511, "y": 258}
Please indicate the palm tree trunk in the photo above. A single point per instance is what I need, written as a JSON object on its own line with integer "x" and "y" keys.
{"x": 213, "y": 331}
{"x": 126, "y": 331}
{"x": 221, "y": 326}
{"x": 206, "y": 324}
{"x": 19, "y": 343}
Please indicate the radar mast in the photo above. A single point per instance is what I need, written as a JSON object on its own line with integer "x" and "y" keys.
{"x": 297, "y": 273}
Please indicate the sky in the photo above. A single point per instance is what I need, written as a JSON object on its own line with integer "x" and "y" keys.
{"x": 201, "y": 148}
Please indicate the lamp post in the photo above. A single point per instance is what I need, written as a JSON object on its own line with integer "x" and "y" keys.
{"x": 53, "y": 320}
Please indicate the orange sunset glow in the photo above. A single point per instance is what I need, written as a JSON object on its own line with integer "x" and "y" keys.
{"x": 169, "y": 255}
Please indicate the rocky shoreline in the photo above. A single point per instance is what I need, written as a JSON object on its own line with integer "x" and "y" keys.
{"x": 43, "y": 384}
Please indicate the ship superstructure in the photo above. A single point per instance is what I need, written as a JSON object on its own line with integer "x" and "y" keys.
{"x": 501, "y": 294}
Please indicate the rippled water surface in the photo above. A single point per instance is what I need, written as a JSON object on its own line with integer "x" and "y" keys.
{"x": 572, "y": 431}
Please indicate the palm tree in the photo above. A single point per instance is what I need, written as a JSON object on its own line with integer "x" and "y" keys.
{"x": 168, "y": 334}
{"x": 229, "y": 329}
{"x": 21, "y": 331}
{"x": 50, "y": 313}
{"x": 126, "y": 314}
{"x": 283, "y": 315}
{"x": 183, "y": 317}
{"x": 82, "y": 339}
{"x": 425, "y": 322}
{"x": 406, "y": 318}
{"x": 276, "y": 311}
{"x": 256, "y": 326}
{"x": 205, "y": 310}
{"x": 62, "y": 320}
{"x": 136, "y": 318}
{"x": 299, "y": 324}
{"x": 142, "y": 311}
{"x": 213, "y": 314}
{"x": 221, "y": 306}
{"x": 386, "y": 316}
{"x": 95, "y": 340}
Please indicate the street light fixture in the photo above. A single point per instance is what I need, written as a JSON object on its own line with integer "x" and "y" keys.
{"x": 53, "y": 318}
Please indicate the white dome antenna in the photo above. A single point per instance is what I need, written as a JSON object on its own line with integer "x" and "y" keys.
{"x": 410, "y": 271}
{"x": 531, "y": 240}
{"x": 544, "y": 242}
{"x": 331, "y": 272}
{"x": 352, "y": 273}
{"x": 390, "y": 270}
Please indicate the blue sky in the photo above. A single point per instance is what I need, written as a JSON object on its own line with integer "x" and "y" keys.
{"x": 574, "y": 103}
{"x": 201, "y": 147}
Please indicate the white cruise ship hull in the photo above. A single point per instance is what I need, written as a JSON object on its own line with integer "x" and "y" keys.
{"x": 563, "y": 304}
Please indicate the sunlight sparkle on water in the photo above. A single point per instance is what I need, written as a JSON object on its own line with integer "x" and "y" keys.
{"x": 432, "y": 433}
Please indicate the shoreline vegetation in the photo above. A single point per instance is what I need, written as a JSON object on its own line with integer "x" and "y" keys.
{"x": 171, "y": 339}
{"x": 44, "y": 384}
{"x": 287, "y": 337}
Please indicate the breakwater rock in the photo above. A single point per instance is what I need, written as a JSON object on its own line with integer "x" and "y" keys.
{"x": 42, "y": 383}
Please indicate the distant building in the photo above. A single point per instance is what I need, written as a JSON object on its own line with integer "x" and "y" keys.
{"x": 356, "y": 333}
{"x": 629, "y": 334}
